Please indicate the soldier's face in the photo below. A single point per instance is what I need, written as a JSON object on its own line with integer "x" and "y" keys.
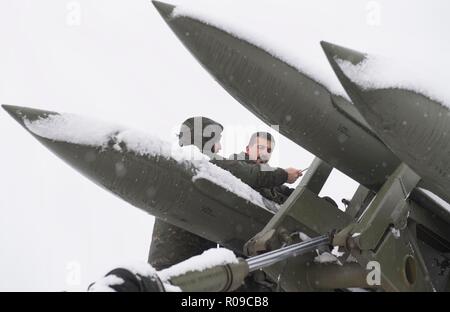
{"x": 217, "y": 147}
{"x": 260, "y": 151}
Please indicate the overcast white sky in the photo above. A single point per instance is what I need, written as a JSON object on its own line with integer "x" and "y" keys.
{"x": 117, "y": 60}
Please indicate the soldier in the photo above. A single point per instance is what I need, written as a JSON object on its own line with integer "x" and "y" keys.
{"x": 205, "y": 134}
{"x": 252, "y": 168}
{"x": 171, "y": 244}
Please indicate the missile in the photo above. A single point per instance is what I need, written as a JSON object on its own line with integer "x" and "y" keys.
{"x": 414, "y": 126}
{"x": 306, "y": 112}
{"x": 153, "y": 181}
{"x": 189, "y": 192}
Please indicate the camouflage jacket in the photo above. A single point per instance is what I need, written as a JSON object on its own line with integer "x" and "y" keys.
{"x": 266, "y": 180}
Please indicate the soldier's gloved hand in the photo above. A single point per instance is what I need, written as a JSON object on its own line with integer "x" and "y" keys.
{"x": 293, "y": 174}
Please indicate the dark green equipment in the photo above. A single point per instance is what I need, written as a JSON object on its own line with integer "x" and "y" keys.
{"x": 412, "y": 125}
{"x": 391, "y": 213}
{"x": 394, "y": 233}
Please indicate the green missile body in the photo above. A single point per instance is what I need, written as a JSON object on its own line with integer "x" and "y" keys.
{"x": 148, "y": 182}
{"x": 415, "y": 127}
{"x": 279, "y": 94}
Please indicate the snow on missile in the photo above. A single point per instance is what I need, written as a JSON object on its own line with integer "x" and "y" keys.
{"x": 305, "y": 60}
{"x": 404, "y": 115}
{"x": 81, "y": 130}
{"x": 208, "y": 259}
{"x": 379, "y": 72}
{"x": 327, "y": 257}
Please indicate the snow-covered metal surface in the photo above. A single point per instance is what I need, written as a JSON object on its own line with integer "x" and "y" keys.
{"x": 371, "y": 25}
{"x": 208, "y": 259}
{"x": 306, "y": 62}
{"x": 80, "y": 130}
{"x": 377, "y": 72}
{"x": 327, "y": 257}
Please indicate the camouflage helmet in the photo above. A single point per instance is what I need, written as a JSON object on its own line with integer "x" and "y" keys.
{"x": 199, "y": 131}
